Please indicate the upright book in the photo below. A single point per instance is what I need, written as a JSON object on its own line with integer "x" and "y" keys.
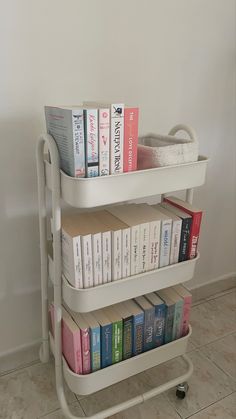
{"x": 106, "y": 337}
{"x": 196, "y": 215}
{"x": 130, "y": 139}
{"x": 187, "y": 297}
{"x": 165, "y": 238}
{"x": 117, "y": 333}
{"x": 159, "y": 321}
{"x": 149, "y": 317}
{"x": 91, "y": 142}
{"x": 138, "y": 326}
{"x": 127, "y": 318}
{"x": 66, "y": 126}
{"x": 178, "y": 313}
{"x": 170, "y": 313}
{"x": 104, "y": 141}
{"x": 176, "y": 233}
{"x": 95, "y": 341}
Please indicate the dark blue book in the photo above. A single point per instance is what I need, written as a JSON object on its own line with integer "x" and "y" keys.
{"x": 159, "y": 321}
{"x": 106, "y": 337}
{"x": 170, "y": 314}
{"x": 149, "y": 316}
{"x": 138, "y": 326}
{"x": 127, "y": 329}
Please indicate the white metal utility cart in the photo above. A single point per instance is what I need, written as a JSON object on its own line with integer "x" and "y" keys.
{"x": 93, "y": 192}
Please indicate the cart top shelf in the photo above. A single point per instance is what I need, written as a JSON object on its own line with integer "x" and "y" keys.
{"x": 93, "y": 192}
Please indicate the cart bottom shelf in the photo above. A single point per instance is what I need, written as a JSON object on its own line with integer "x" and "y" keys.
{"x": 90, "y": 383}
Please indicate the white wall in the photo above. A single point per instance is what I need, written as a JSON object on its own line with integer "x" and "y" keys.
{"x": 175, "y": 59}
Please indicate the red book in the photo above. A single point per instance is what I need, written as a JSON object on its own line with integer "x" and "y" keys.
{"x": 130, "y": 139}
{"x": 196, "y": 222}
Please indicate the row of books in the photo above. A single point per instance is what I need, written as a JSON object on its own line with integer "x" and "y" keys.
{"x": 107, "y": 245}
{"x": 94, "y": 139}
{"x": 95, "y": 340}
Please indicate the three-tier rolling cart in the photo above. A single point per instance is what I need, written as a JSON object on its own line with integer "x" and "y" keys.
{"x": 94, "y": 192}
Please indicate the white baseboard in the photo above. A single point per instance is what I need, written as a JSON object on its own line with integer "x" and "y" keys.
{"x": 229, "y": 277}
{"x": 20, "y": 348}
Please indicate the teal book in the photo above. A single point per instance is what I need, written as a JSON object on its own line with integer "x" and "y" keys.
{"x": 117, "y": 333}
{"x": 149, "y": 317}
{"x": 178, "y": 314}
{"x": 170, "y": 313}
{"x": 106, "y": 337}
{"x": 138, "y": 326}
{"x": 127, "y": 329}
{"x": 95, "y": 341}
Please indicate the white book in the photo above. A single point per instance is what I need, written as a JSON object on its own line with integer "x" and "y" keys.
{"x": 165, "y": 238}
{"x": 106, "y": 256}
{"x": 144, "y": 247}
{"x": 72, "y": 259}
{"x": 97, "y": 258}
{"x": 66, "y": 126}
{"x": 87, "y": 260}
{"x": 154, "y": 244}
{"x": 116, "y": 271}
{"x": 91, "y": 142}
{"x": 104, "y": 141}
{"x": 125, "y": 252}
{"x": 176, "y": 232}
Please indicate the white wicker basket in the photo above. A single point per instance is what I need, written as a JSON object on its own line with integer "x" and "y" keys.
{"x": 165, "y": 150}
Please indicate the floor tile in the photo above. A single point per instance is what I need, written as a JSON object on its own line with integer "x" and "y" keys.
{"x": 156, "y": 408}
{"x": 19, "y": 359}
{"x": 75, "y": 409}
{"x": 29, "y": 393}
{"x": 207, "y": 385}
{"x": 227, "y": 302}
{"x": 223, "y": 353}
{"x": 213, "y": 320}
{"x": 224, "y": 409}
{"x": 190, "y": 346}
{"x": 220, "y": 294}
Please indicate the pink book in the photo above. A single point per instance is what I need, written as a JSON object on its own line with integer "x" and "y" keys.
{"x": 85, "y": 340}
{"x": 71, "y": 340}
{"x": 104, "y": 141}
{"x": 187, "y": 297}
{"x": 130, "y": 139}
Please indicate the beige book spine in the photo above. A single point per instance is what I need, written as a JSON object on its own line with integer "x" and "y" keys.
{"x": 87, "y": 260}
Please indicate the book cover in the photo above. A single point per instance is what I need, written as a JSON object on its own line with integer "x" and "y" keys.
{"x": 85, "y": 339}
{"x": 170, "y": 313}
{"x": 97, "y": 258}
{"x": 104, "y": 141}
{"x": 66, "y": 126}
{"x": 187, "y": 297}
{"x": 95, "y": 341}
{"x": 196, "y": 215}
{"x": 127, "y": 329}
{"x": 149, "y": 316}
{"x": 117, "y": 333}
{"x": 71, "y": 340}
{"x": 117, "y": 138}
{"x": 130, "y": 139}
{"x": 176, "y": 233}
{"x": 72, "y": 259}
{"x": 106, "y": 337}
{"x": 91, "y": 142}
{"x": 106, "y": 256}
{"x": 159, "y": 321}
{"x": 138, "y": 326}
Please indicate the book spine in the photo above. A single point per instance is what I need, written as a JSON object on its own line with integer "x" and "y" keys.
{"x": 104, "y": 141}
{"x": 106, "y": 347}
{"x": 154, "y": 246}
{"x": 130, "y": 139}
{"x": 144, "y": 247}
{"x": 149, "y": 316}
{"x": 186, "y": 315}
{"x": 97, "y": 258}
{"x": 78, "y": 143}
{"x": 165, "y": 243}
{"x": 87, "y": 261}
{"x": 117, "y": 138}
{"x": 138, "y": 333}
{"x": 159, "y": 324}
{"x": 95, "y": 345}
{"x": 184, "y": 240}
{"x": 125, "y": 252}
{"x": 91, "y": 135}
{"x": 106, "y": 256}
{"x": 175, "y": 241}
{"x": 170, "y": 312}
{"x": 117, "y": 341}
{"x": 71, "y": 259}
{"x": 177, "y": 319}
{"x": 127, "y": 337}
{"x": 135, "y": 250}
{"x": 85, "y": 347}
{"x": 116, "y": 254}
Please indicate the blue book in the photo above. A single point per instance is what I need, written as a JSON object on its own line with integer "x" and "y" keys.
{"x": 170, "y": 313}
{"x": 138, "y": 326}
{"x": 149, "y": 316}
{"x": 95, "y": 341}
{"x": 178, "y": 313}
{"x": 106, "y": 337}
{"x": 159, "y": 321}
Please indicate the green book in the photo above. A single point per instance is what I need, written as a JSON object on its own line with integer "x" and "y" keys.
{"x": 127, "y": 329}
{"x": 117, "y": 333}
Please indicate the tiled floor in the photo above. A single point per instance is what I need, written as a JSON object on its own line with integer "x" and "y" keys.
{"x": 29, "y": 392}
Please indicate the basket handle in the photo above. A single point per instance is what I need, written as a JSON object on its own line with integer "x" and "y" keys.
{"x": 181, "y": 127}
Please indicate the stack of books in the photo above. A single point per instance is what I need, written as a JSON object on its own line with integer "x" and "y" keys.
{"x": 94, "y": 139}
{"x": 91, "y": 341}
{"x": 107, "y": 245}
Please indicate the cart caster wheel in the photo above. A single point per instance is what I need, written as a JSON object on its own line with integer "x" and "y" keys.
{"x": 181, "y": 390}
